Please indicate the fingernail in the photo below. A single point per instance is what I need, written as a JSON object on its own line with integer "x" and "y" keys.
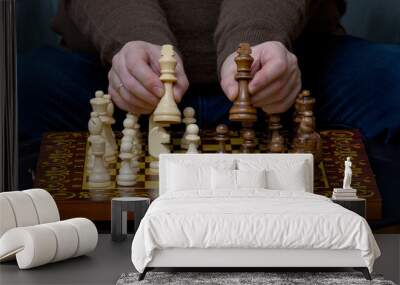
{"x": 158, "y": 91}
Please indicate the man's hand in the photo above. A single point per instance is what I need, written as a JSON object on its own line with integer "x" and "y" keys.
{"x": 276, "y": 77}
{"x": 134, "y": 83}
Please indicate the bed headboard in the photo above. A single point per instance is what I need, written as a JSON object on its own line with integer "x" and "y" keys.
{"x": 165, "y": 159}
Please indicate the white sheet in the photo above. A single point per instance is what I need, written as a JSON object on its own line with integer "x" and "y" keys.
{"x": 253, "y": 218}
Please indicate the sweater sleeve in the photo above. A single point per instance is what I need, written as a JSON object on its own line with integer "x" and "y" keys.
{"x": 109, "y": 24}
{"x": 257, "y": 21}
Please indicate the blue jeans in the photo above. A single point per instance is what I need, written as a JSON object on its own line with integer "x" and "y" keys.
{"x": 356, "y": 84}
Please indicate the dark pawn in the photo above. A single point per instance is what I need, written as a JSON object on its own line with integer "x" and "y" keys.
{"x": 249, "y": 143}
{"x": 222, "y": 136}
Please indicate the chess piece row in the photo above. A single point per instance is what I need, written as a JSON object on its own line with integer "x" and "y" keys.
{"x": 102, "y": 144}
{"x": 103, "y": 148}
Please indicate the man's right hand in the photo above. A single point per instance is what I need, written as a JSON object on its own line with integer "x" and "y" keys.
{"x": 134, "y": 83}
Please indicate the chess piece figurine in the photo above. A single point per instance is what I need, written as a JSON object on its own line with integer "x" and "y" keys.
{"x": 304, "y": 102}
{"x": 110, "y": 113}
{"x": 307, "y": 139}
{"x": 192, "y": 138}
{"x": 167, "y": 111}
{"x": 158, "y": 142}
{"x": 222, "y": 136}
{"x": 95, "y": 127}
{"x": 249, "y": 143}
{"x": 242, "y": 110}
{"x": 347, "y": 174}
{"x": 137, "y": 135}
{"x": 188, "y": 118}
{"x": 99, "y": 176}
{"x": 126, "y": 175}
{"x": 130, "y": 133}
{"x": 266, "y": 135}
{"x": 277, "y": 144}
{"x": 100, "y": 105}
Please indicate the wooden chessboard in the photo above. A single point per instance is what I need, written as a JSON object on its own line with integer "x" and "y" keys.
{"x": 61, "y": 170}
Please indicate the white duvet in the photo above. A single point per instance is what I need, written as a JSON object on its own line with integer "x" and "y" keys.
{"x": 250, "y": 219}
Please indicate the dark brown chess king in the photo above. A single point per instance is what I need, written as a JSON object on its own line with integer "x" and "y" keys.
{"x": 242, "y": 110}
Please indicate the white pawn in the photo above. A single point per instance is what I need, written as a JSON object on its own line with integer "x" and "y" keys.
{"x": 130, "y": 123}
{"x": 110, "y": 112}
{"x": 188, "y": 114}
{"x": 126, "y": 175}
{"x": 95, "y": 127}
{"x": 99, "y": 176}
{"x": 192, "y": 137}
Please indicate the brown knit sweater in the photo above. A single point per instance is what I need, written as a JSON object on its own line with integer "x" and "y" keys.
{"x": 204, "y": 31}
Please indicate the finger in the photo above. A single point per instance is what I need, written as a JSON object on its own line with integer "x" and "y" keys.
{"x": 139, "y": 68}
{"x": 276, "y": 91}
{"x": 122, "y": 104}
{"x": 113, "y": 80}
{"x": 271, "y": 70}
{"x": 129, "y": 98}
{"x": 228, "y": 83}
{"x": 285, "y": 104}
{"x": 134, "y": 100}
{"x": 131, "y": 84}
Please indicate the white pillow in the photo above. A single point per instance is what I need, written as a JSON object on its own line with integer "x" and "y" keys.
{"x": 223, "y": 179}
{"x": 181, "y": 177}
{"x": 186, "y": 175}
{"x": 291, "y": 175}
{"x": 292, "y": 178}
{"x": 251, "y": 178}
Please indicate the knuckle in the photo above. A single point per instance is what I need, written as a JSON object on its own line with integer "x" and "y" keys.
{"x": 150, "y": 82}
{"x": 185, "y": 84}
{"x": 280, "y": 108}
{"x": 281, "y": 96}
{"x": 116, "y": 59}
{"x": 278, "y": 44}
{"x": 129, "y": 83}
{"x": 224, "y": 84}
{"x": 294, "y": 59}
{"x": 280, "y": 65}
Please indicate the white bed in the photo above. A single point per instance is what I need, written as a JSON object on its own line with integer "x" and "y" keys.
{"x": 219, "y": 225}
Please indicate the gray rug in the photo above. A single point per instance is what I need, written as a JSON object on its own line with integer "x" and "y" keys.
{"x": 243, "y": 278}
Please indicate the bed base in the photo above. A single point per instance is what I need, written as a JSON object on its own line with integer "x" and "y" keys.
{"x": 363, "y": 270}
{"x": 242, "y": 259}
